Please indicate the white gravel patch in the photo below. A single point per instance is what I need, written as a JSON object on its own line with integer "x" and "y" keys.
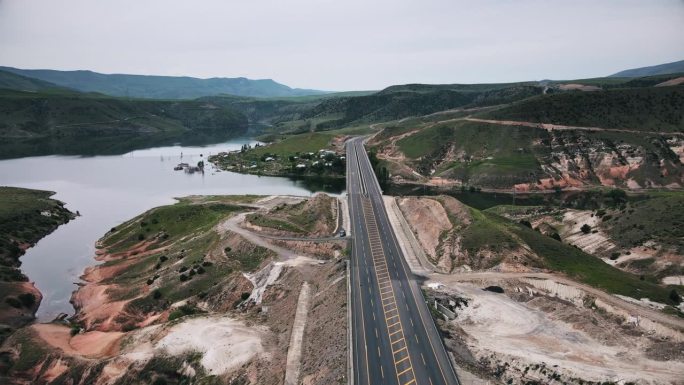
{"x": 225, "y": 343}
{"x": 674, "y": 280}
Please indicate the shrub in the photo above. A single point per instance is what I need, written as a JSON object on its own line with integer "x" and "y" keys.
{"x": 129, "y": 326}
{"x": 244, "y": 296}
{"x": 163, "y": 258}
{"x": 526, "y": 223}
{"x": 181, "y": 312}
{"x": 617, "y": 196}
{"x": 156, "y": 294}
{"x": 586, "y": 229}
{"x": 556, "y": 236}
{"x": 13, "y": 302}
{"x": 141, "y": 236}
{"x": 183, "y": 277}
{"x": 27, "y": 299}
{"x": 674, "y": 296}
{"x": 614, "y": 256}
{"x": 150, "y": 281}
{"x": 200, "y": 270}
{"x": 183, "y": 269}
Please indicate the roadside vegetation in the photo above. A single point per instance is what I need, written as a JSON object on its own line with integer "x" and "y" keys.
{"x": 313, "y": 217}
{"x": 484, "y": 240}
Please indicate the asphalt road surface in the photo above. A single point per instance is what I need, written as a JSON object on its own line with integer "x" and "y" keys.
{"x": 394, "y": 338}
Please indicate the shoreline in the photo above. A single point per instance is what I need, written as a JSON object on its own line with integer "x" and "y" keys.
{"x": 20, "y": 298}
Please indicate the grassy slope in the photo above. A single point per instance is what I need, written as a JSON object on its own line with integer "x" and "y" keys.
{"x": 309, "y": 142}
{"x": 492, "y": 231}
{"x": 660, "y": 218}
{"x": 649, "y": 109}
{"x": 397, "y": 102}
{"x": 185, "y": 229}
{"x": 301, "y": 218}
{"x": 501, "y": 155}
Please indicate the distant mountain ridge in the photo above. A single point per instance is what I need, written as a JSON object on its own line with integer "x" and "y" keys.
{"x": 660, "y": 69}
{"x": 12, "y": 81}
{"x": 161, "y": 87}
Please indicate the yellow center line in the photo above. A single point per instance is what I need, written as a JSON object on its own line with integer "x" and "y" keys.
{"x": 386, "y": 290}
{"x": 404, "y": 371}
{"x": 401, "y": 360}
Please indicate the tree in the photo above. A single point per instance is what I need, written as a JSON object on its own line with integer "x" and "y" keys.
{"x": 617, "y": 196}
{"x": 674, "y": 296}
{"x": 586, "y": 229}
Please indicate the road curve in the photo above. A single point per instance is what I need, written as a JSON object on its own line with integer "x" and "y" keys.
{"x": 394, "y": 339}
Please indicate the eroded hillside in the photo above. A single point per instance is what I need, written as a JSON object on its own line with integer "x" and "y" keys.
{"x": 186, "y": 292}
{"x": 544, "y": 143}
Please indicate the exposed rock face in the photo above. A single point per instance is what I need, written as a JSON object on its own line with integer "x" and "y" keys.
{"x": 580, "y": 158}
{"x": 442, "y": 226}
{"x": 428, "y": 220}
{"x": 542, "y": 157}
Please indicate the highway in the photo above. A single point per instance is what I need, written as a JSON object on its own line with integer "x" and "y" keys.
{"x": 394, "y": 339}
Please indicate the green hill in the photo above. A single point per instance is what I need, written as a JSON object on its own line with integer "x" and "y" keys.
{"x": 161, "y": 87}
{"x": 646, "y": 108}
{"x": 661, "y": 69}
{"x": 398, "y": 102}
{"x": 9, "y": 80}
{"x": 34, "y": 123}
{"x": 504, "y": 156}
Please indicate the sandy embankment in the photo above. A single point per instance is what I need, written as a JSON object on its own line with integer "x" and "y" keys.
{"x": 225, "y": 343}
{"x": 560, "y": 335}
{"x": 591, "y": 243}
{"x": 674, "y": 280}
{"x": 92, "y": 301}
{"x": 671, "y": 82}
{"x": 94, "y": 344}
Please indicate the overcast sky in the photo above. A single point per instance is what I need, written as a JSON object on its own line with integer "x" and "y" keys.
{"x": 344, "y": 44}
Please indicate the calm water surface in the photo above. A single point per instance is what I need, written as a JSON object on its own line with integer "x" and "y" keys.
{"x": 108, "y": 190}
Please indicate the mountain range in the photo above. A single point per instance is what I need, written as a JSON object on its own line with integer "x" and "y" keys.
{"x": 161, "y": 87}
{"x": 660, "y": 69}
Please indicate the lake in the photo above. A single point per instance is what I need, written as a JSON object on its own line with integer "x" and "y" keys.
{"x": 108, "y": 190}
